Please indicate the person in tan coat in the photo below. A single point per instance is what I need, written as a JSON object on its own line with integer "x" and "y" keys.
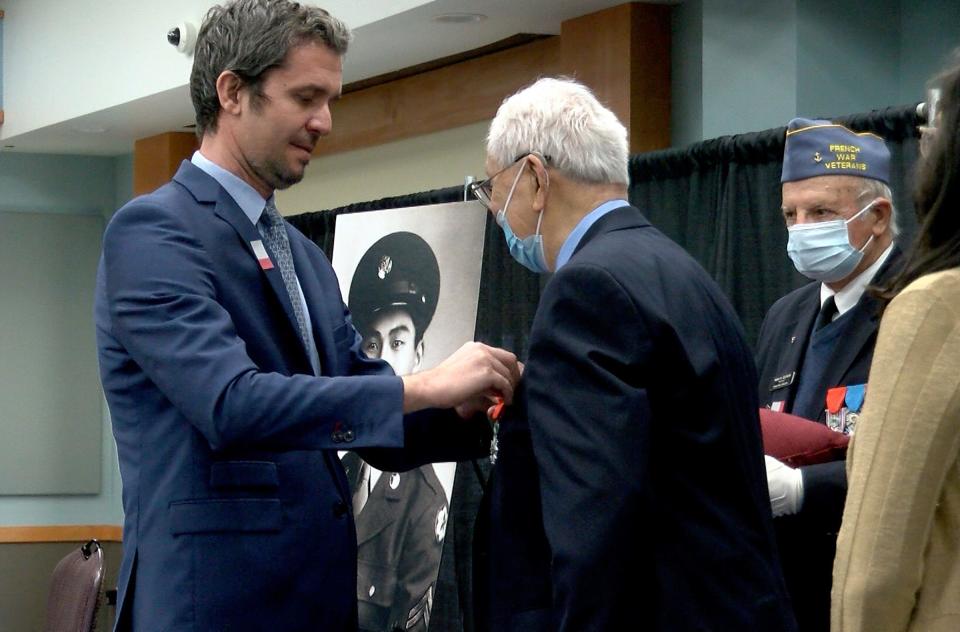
{"x": 898, "y": 553}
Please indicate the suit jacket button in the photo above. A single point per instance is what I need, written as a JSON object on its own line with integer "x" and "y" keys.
{"x": 339, "y": 509}
{"x": 336, "y": 436}
{"x": 348, "y": 436}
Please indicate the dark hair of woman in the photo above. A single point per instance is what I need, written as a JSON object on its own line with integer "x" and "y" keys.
{"x": 937, "y": 193}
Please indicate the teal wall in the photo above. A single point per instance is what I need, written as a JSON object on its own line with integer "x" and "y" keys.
{"x": 1, "y": 64}
{"x": 67, "y": 184}
{"x": 929, "y": 32}
{"x": 848, "y": 57}
{"x": 749, "y": 65}
{"x": 742, "y": 65}
{"x": 686, "y": 77}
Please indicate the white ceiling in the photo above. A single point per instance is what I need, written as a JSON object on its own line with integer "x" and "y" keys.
{"x": 399, "y": 41}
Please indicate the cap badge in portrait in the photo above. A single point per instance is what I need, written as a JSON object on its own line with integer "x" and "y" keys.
{"x": 385, "y": 266}
{"x": 399, "y": 271}
{"x": 822, "y": 148}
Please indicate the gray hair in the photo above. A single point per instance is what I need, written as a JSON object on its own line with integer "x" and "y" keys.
{"x": 562, "y": 120}
{"x": 874, "y": 189}
{"x": 249, "y": 38}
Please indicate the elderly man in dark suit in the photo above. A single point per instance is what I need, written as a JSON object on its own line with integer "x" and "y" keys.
{"x": 630, "y": 492}
{"x": 231, "y": 366}
{"x": 816, "y": 343}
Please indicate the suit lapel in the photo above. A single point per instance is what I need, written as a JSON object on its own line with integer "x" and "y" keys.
{"x": 795, "y": 346}
{"x": 854, "y": 344}
{"x": 226, "y": 208}
{"x": 866, "y": 313}
{"x": 378, "y": 516}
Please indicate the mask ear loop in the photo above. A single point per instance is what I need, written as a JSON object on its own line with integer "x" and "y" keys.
{"x": 862, "y": 211}
{"x": 547, "y": 177}
{"x": 502, "y": 214}
{"x": 859, "y": 213}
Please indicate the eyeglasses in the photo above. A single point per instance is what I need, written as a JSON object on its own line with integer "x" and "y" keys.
{"x": 483, "y": 190}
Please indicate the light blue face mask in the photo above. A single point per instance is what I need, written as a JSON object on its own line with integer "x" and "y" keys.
{"x": 528, "y": 251}
{"x": 822, "y": 251}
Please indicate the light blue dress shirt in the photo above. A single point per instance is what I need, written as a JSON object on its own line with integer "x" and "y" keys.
{"x": 573, "y": 239}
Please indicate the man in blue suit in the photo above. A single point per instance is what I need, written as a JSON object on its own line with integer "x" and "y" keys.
{"x": 232, "y": 369}
{"x": 630, "y": 492}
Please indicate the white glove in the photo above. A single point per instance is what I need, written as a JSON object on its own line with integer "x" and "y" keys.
{"x": 786, "y": 487}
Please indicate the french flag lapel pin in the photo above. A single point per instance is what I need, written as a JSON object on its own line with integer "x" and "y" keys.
{"x": 261, "y": 254}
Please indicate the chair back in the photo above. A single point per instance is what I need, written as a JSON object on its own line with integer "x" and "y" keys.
{"x": 75, "y": 590}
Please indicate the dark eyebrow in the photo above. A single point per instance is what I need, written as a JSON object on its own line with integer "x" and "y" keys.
{"x": 399, "y": 328}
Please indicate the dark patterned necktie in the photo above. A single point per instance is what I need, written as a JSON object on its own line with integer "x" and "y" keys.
{"x": 827, "y": 312}
{"x": 275, "y": 237}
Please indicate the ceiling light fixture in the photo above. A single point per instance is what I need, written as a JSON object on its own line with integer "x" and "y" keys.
{"x": 459, "y": 18}
{"x": 90, "y": 128}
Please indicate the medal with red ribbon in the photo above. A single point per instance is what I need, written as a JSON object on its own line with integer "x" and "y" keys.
{"x": 494, "y": 415}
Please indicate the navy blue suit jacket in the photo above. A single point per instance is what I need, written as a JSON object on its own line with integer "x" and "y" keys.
{"x": 236, "y": 509}
{"x": 644, "y": 440}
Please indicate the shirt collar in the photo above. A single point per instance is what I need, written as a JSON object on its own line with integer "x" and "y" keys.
{"x": 573, "y": 239}
{"x": 850, "y": 295}
{"x": 246, "y": 197}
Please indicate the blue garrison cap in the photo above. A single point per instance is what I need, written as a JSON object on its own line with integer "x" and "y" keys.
{"x": 822, "y": 148}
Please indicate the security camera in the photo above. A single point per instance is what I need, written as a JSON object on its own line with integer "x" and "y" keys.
{"x": 183, "y": 36}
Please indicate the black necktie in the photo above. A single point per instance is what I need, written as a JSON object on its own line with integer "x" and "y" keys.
{"x": 827, "y": 312}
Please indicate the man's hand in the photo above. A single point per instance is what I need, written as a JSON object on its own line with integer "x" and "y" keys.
{"x": 786, "y": 487}
{"x": 469, "y": 380}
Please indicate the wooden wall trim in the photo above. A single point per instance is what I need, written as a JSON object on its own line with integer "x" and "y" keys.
{"x": 622, "y": 53}
{"x": 444, "y": 98}
{"x": 61, "y": 533}
{"x": 157, "y": 158}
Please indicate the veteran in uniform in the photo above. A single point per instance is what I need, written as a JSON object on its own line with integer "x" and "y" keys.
{"x": 401, "y": 517}
{"x": 816, "y": 343}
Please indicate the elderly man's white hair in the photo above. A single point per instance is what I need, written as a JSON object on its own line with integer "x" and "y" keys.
{"x": 562, "y": 120}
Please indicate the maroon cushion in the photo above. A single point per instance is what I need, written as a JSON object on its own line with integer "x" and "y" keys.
{"x": 797, "y": 441}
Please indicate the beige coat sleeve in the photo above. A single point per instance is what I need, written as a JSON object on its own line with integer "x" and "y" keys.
{"x": 906, "y": 442}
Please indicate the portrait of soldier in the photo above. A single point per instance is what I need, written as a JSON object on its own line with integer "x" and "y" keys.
{"x": 401, "y": 517}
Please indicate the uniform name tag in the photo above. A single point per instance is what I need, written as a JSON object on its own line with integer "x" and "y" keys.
{"x": 782, "y": 382}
